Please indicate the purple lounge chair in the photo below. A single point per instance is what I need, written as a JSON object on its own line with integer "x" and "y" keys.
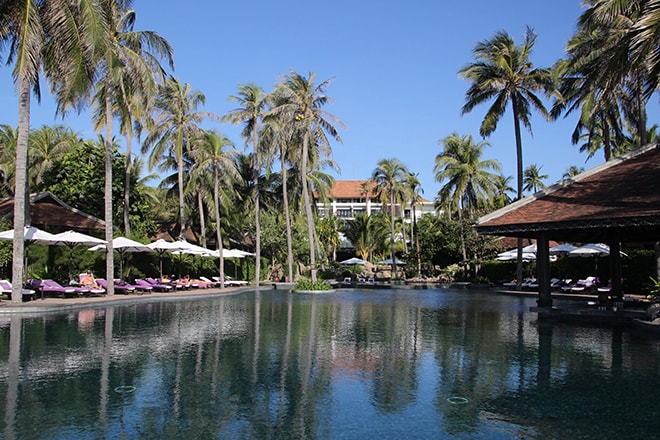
{"x": 118, "y": 288}
{"x": 136, "y": 289}
{"x": 5, "y": 288}
{"x": 155, "y": 286}
{"x": 53, "y": 287}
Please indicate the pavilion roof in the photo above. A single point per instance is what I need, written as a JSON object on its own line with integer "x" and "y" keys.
{"x": 619, "y": 199}
{"x": 50, "y": 213}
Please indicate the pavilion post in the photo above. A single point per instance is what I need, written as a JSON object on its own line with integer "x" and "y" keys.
{"x": 615, "y": 269}
{"x": 543, "y": 270}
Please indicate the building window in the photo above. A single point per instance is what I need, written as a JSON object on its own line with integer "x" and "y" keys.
{"x": 345, "y": 213}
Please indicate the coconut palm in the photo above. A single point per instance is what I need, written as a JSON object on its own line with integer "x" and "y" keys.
{"x": 502, "y": 189}
{"x": 388, "y": 176}
{"x": 8, "y": 137}
{"x": 503, "y": 72}
{"x": 55, "y": 37}
{"x": 211, "y": 153}
{"x": 252, "y": 107}
{"x": 47, "y": 145}
{"x": 176, "y": 126}
{"x": 572, "y": 171}
{"x": 533, "y": 178}
{"x": 467, "y": 180}
{"x": 415, "y": 192}
{"x": 301, "y": 102}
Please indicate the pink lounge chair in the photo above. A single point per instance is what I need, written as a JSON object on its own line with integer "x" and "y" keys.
{"x": 5, "y": 288}
{"x": 91, "y": 290}
{"x": 53, "y": 287}
{"x": 118, "y": 288}
{"x": 155, "y": 285}
{"x": 138, "y": 289}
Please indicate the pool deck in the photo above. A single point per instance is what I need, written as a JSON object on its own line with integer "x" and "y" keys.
{"x": 52, "y": 304}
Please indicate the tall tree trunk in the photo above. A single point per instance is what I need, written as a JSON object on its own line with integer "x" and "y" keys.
{"x": 416, "y": 233}
{"x": 519, "y": 169}
{"x": 202, "y": 219}
{"x": 109, "y": 257}
{"x": 21, "y": 204}
{"x": 308, "y": 207}
{"x": 218, "y": 228}
{"x": 179, "y": 169}
{"x": 257, "y": 220}
{"x": 392, "y": 234}
{"x": 127, "y": 184}
{"x": 287, "y": 217}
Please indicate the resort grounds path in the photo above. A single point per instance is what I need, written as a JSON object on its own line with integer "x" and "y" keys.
{"x": 58, "y": 304}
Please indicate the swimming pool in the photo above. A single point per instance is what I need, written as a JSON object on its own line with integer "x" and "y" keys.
{"x": 353, "y": 364}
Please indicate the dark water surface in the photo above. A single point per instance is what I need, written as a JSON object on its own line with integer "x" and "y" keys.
{"x": 374, "y": 364}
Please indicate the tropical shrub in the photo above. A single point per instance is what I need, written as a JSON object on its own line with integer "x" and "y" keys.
{"x": 308, "y": 284}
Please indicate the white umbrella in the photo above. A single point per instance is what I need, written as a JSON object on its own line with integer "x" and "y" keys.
{"x": 513, "y": 255}
{"x": 562, "y": 249}
{"x": 31, "y": 235}
{"x": 592, "y": 250}
{"x": 161, "y": 246}
{"x": 123, "y": 245}
{"x": 73, "y": 238}
{"x": 389, "y": 261}
{"x": 353, "y": 261}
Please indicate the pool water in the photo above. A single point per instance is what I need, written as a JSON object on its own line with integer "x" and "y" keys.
{"x": 354, "y": 364}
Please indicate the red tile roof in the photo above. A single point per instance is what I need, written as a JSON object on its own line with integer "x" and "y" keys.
{"x": 344, "y": 189}
{"x": 51, "y": 214}
{"x": 620, "y": 198}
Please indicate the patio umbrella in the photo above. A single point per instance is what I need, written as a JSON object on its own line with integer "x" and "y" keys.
{"x": 187, "y": 248}
{"x": 594, "y": 250}
{"x": 353, "y": 261}
{"x": 562, "y": 249}
{"x": 389, "y": 261}
{"x": 161, "y": 246}
{"x": 31, "y": 235}
{"x": 513, "y": 255}
{"x": 71, "y": 239}
{"x": 123, "y": 245}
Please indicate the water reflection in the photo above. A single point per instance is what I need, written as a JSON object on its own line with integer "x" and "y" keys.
{"x": 268, "y": 364}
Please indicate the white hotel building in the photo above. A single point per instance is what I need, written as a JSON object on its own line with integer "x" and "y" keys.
{"x": 348, "y": 198}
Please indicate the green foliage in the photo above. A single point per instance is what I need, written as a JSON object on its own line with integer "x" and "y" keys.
{"x": 308, "y": 284}
{"x": 77, "y": 179}
{"x": 654, "y": 289}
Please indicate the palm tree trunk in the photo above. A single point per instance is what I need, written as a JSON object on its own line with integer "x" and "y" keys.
{"x": 20, "y": 200}
{"x": 308, "y": 207}
{"x": 519, "y": 168}
{"x": 416, "y": 232}
{"x": 109, "y": 258}
{"x": 392, "y": 234}
{"x": 218, "y": 228}
{"x": 127, "y": 184}
{"x": 287, "y": 217}
{"x": 202, "y": 219}
{"x": 179, "y": 167}
{"x": 257, "y": 221}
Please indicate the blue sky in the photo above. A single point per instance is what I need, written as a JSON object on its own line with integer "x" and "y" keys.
{"x": 394, "y": 67}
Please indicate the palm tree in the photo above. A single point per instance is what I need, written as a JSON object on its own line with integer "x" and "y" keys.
{"x": 469, "y": 183}
{"x": 415, "y": 191}
{"x": 504, "y": 73}
{"x": 301, "y": 107}
{"x": 8, "y": 137}
{"x": 502, "y": 189}
{"x": 572, "y": 171}
{"x": 129, "y": 66}
{"x": 211, "y": 154}
{"x": 55, "y": 37}
{"x": 388, "y": 177}
{"x": 533, "y": 178}
{"x": 252, "y": 107}
{"x": 176, "y": 125}
{"x": 47, "y": 145}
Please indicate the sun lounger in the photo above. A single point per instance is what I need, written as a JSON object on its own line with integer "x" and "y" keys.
{"x": 27, "y": 294}
{"x": 55, "y": 288}
{"x": 118, "y": 288}
{"x": 211, "y": 283}
{"x": 159, "y": 287}
{"x": 586, "y": 285}
{"x": 91, "y": 290}
{"x": 136, "y": 289}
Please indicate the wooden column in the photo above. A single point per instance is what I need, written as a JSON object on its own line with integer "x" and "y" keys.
{"x": 615, "y": 269}
{"x": 543, "y": 270}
